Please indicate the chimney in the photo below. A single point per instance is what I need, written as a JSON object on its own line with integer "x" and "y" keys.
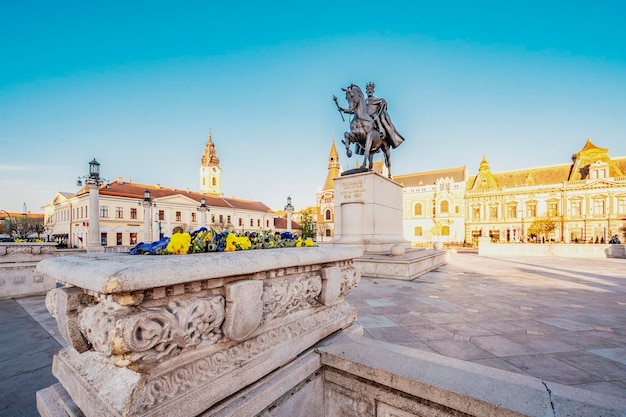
{"x": 120, "y": 180}
{"x": 157, "y": 186}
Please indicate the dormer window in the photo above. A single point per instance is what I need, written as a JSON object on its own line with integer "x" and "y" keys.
{"x": 598, "y": 170}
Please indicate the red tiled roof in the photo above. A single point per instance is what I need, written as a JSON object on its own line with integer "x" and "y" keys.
{"x": 135, "y": 191}
{"x": 281, "y": 223}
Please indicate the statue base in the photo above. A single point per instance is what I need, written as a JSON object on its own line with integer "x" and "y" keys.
{"x": 368, "y": 215}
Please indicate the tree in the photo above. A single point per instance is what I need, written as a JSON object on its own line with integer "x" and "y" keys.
{"x": 24, "y": 227}
{"x": 307, "y": 221}
{"x": 542, "y": 227}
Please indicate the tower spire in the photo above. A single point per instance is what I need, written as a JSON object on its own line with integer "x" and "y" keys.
{"x": 333, "y": 167}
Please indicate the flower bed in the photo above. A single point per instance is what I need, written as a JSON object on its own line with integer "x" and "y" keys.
{"x": 211, "y": 240}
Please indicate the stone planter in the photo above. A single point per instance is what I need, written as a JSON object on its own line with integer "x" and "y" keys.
{"x": 173, "y": 335}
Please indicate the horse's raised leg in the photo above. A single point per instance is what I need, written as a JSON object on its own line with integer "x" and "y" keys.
{"x": 368, "y": 156}
{"x": 348, "y": 139}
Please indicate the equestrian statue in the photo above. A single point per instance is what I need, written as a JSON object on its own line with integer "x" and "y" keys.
{"x": 371, "y": 129}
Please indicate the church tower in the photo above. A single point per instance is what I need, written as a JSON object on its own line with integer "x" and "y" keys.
{"x": 210, "y": 171}
{"x": 326, "y": 197}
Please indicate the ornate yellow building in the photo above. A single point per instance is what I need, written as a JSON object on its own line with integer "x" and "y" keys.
{"x": 585, "y": 199}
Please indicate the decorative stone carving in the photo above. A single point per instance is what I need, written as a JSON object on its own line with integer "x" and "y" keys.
{"x": 281, "y": 298}
{"x": 65, "y": 304}
{"x": 331, "y": 288}
{"x": 350, "y": 278}
{"x": 151, "y": 334}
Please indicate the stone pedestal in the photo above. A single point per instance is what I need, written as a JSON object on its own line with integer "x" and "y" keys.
{"x": 368, "y": 215}
{"x": 368, "y": 212}
{"x": 17, "y": 268}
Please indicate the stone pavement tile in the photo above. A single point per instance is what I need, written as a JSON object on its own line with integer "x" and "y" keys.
{"x": 429, "y": 331}
{"x": 614, "y": 354}
{"x": 566, "y": 324}
{"x": 609, "y": 388}
{"x": 459, "y": 349}
{"x": 536, "y": 326}
{"x": 17, "y": 396}
{"x": 374, "y": 321}
{"x": 466, "y": 329}
{"x": 604, "y": 368}
{"x": 583, "y": 340}
{"x": 407, "y": 319}
{"x": 542, "y": 343}
{"x": 498, "y": 327}
{"x": 380, "y": 302}
{"x": 441, "y": 317}
{"x": 441, "y": 305}
{"x": 419, "y": 345}
{"x": 499, "y": 364}
{"x": 551, "y": 369}
{"x": 613, "y": 337}
{"x": 501, "y": 346}
{"x": 393, "y": 335}
{"x": 620, "y": 330}
{"x": 601, "y": 320}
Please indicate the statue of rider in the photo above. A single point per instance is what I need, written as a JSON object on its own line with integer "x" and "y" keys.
{"x": 377, "y": 110}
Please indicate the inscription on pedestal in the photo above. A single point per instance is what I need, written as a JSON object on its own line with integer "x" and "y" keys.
{"x": 351, "y": 190}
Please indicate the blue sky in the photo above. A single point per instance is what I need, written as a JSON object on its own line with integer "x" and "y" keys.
{"x": 138, "y": 86}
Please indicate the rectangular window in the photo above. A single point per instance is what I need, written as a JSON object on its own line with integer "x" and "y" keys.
{"x": 118, "y": 239}
{"x": 267, "y": 223}
{"x": 598, "y": 207}
{"x": 475, "y": 213}
{"x": 553, "y": 208}
{"x": 212, "y": 218}
{"x": 104, "y": 211}
{"x": 511, "y": 211}
{"x": 133, "y": 213}
{"x": 258, "y": 223}
{"x": 251, "y": 222}
{"x": 240, "y": 221}
{"x": 193, "y": 217}
{"x": 119, "y": 213}
{"x": 493, "y": 212}
{"x": 221, "y": 219}
{"x": 161, "y": 214}
{"x": 179, "y": 216}
{"x": 133, "y": 238}
{"x": 103, "y": 239}
{"x": 576, "y": 208}
{"x": 228, "y": 220}
{"x": 621, "y": 206}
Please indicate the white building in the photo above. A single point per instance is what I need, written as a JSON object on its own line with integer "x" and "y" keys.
{"x": 125, "y": 221}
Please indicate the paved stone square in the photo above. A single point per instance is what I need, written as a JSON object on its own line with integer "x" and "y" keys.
{"x": 558, "y": 319}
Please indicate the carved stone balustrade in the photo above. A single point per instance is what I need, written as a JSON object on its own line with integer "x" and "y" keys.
{"x": 173, "y": 335}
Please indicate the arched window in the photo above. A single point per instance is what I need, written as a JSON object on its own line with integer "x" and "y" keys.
{"x": 417, "y": 231}
{"x": 444, "y": 207}
{"x": 417, "y": 209}
{"x": 328, "y": 232}
{"x": 445, "y": 230}
{"x": 214, "y": 181}
{"x": 328, "y": 215}
{"x": 203, "y": 181}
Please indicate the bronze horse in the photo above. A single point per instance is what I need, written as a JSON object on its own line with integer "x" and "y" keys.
{"x": 363, "y": 134}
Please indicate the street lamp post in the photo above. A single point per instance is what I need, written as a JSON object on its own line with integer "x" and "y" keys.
{"x": 93, "y": 182}
{"x": 146, "y": 203}
{"x": 203, "y": 208}
{"x": 289, "y": 210}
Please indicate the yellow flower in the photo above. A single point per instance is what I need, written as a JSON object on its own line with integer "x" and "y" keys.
{"x": 309, "y": 242}
{"x": 230, "y": 243}
{"x": 179, "y": 243}
{"x": 244, "y": 243}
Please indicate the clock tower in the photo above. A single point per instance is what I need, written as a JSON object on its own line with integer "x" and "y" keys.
{"x": 210, "y": 171}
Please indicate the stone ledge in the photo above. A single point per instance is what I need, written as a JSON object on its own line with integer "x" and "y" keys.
{"x": 118, "y": 273}
{"x": 462, "y": 386}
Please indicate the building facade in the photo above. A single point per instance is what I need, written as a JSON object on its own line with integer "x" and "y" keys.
{"x": 128, "y": 217}
{"x": 584, "y": 201}
{"x": 434, "y": 205}
{"x": 325, "y": 199}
